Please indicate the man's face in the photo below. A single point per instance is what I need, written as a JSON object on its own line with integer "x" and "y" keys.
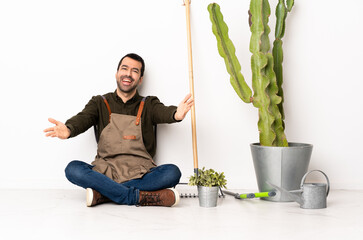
{"x": 128, "y": 76}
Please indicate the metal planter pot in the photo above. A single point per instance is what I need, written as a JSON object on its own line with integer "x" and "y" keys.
{"x": 281, "y": 166}
{"x": 208, "y": 196}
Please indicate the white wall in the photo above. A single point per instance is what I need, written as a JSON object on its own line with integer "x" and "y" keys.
{"x": 55, "y": 55}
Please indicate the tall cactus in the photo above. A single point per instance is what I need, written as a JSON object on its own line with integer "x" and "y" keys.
{"x": 266, "y": 66}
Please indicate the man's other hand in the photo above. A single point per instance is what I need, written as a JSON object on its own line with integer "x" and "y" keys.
{"x": 184, "y": 107}
{"x": 59, "y": 130}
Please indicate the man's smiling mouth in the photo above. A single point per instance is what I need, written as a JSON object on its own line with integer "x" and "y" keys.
{"x": 126, "y": 80}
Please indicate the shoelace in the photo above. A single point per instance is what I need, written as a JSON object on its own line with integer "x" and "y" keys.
{"x": 150, "y": 199}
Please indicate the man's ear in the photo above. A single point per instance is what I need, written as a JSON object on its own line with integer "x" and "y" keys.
{"x": 142, "y": 78}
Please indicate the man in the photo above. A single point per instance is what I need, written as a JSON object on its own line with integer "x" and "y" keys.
{"x": 123, "y": 170}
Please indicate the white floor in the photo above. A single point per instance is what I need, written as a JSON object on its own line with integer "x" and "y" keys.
{"x": 62, "y": 214}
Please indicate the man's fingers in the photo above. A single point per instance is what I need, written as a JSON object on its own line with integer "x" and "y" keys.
{"x": 49, "y": 129}
{"x": 50, "y": 134}
{"x": 191, "y": 102}
{"x": 53, "y": 121}
{"x": 187, "y": 97}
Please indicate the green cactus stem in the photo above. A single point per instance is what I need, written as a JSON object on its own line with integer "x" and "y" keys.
{"x": 228, "y": 52}
{"x": 264, "y": 82}
{"x": 263, "y": 77}
{"x": 281, "y": 14}
{"x": 290, "y": 4}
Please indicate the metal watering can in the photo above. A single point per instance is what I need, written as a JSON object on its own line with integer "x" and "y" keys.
{"x": 310, "y": 195}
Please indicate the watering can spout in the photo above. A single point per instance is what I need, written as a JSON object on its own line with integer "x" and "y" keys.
{"x": 295, "y": 195}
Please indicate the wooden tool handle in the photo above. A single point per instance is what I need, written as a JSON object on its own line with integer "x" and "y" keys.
{"x": 191, "y": 86}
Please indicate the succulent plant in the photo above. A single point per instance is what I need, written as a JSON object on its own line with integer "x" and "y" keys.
{"x": 208, "y": 178}
{"x": 266, "y": 66}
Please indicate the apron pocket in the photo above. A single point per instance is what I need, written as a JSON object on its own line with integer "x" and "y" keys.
{"x": 129, "y": 137}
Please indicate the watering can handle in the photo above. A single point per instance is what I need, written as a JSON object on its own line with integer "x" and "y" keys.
{"x": 327, "y": 179}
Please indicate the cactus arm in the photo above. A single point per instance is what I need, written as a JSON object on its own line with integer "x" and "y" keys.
{"x": 261, "y": 100}
{"x": 227, "y": 50}
{"x": 280, "y": 19}
{"x": 278, "y": 58}
{"x": 265, "y": 39}
{"x": 258, "y": 59}
{"x": 256, "y": 26}
{"x": 290, "y": 4}
{"x": 281, "y": 14}
{"x": 278, "y": 124}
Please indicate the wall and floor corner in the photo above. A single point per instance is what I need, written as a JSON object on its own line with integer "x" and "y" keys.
{"x": 55, "y": 55}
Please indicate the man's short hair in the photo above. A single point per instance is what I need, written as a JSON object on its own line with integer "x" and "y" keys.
{"x": 137, "y": 58}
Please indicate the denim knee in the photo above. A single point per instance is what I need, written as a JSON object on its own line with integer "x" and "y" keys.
{"x": 73, "y": 171}
{"x": 174, "y": 174}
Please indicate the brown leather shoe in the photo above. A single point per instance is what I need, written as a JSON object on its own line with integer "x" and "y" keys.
{"x": 94, "y": 198}
{"x": 165, "y": 197}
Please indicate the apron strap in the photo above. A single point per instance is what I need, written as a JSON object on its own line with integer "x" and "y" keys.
{"x": 141, "y": 107}
{"x": 108, "y": 108}
{"x": 139, "y": 112}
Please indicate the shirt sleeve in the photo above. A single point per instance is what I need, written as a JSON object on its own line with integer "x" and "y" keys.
{"x": 84, "y": 119}
{"x": 161, "y": 113}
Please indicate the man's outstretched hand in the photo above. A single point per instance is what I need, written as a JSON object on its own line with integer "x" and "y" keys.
{"x": 184, "y": 107}
{"x": 59, "y": 130}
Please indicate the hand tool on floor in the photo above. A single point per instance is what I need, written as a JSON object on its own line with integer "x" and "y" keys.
{"x": 195, "y": 195}
{"x": 250, "y": 195}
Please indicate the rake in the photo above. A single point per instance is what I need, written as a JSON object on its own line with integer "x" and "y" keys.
{"x": 195, "y": 195}
{"x": 191, "y": 87}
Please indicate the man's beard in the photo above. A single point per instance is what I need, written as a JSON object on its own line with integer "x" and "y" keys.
{"x": 129, "y": 90}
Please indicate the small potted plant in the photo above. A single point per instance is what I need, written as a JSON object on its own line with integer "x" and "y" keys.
{"x": 208, "y": 182}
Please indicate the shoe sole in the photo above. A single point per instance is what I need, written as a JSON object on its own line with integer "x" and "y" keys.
{"x": 89, "y": 197}
{"x": 177, "y": 198}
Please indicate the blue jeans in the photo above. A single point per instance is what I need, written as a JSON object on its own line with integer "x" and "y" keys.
{"x": 160, "y": 177}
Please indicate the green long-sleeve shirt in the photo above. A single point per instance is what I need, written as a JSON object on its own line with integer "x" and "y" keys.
{"x": 95, "y": 113}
